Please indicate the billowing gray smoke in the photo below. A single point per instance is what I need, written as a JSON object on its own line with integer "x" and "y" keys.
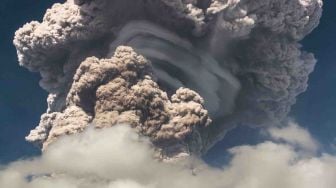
{"x": 232, "y": 61}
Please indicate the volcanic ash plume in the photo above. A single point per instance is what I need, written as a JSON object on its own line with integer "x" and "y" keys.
{"x": 168, "y": 67}
{"x": 121, "y": 90}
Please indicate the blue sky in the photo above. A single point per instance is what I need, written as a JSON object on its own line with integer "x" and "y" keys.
{"x": 20, "y": 96}
{"x": 315, "y": 109}
{"x": 22, "y": 101}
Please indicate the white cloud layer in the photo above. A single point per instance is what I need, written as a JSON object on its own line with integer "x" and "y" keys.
{"x": 118, "y": 158}
{"x": 295, "y": 135}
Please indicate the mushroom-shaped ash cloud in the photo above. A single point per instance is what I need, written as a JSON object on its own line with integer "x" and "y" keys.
{"x": 234, "y": 61}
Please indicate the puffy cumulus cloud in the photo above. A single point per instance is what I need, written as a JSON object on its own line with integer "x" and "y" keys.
{"x": 121, "y": 90}
{"x": 276, "y": 165}
{"x": 242, "y": 57}
{"x": 294, "y": 135}
{"x": 118, "y": 157}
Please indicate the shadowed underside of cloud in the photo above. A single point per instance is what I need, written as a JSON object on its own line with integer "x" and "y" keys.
{"x": 118, "y": 157}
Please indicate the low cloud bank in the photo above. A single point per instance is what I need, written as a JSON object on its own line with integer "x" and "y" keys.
{"x": 118, "y": 157}
{"x": 294, "y": 135}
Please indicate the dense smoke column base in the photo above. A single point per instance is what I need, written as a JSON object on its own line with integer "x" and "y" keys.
{"x": 120, "y": 90}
